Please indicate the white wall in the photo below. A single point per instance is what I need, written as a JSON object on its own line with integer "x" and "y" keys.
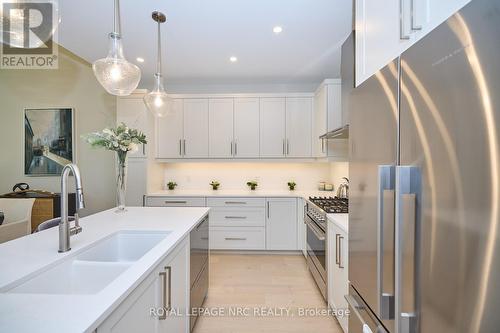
{"x": 337, "y": 171}
{"x": 72, "y": 85}
{"x": 234, "y": 175}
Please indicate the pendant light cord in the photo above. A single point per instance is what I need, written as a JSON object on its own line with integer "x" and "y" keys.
{"x": 158, "y": 64}
{"x": 116, "y": 19}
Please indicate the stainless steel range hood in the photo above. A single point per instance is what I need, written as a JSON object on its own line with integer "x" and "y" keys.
{"x": 339, "y": 133}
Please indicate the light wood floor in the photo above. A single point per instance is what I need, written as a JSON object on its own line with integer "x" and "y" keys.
{"x": 263, "y": 281}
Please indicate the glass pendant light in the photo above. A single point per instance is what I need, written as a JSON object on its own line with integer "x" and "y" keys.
{"x": 118, "y": 76}
{"x": 157, "y": 99}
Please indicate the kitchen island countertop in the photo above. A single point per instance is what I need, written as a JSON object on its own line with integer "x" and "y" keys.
{"x": 26, "y": 257}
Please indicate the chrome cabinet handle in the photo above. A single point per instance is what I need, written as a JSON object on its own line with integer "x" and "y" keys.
{"x": 175, "y": 202}
{"x": 283, "y": 148}
{"x": 337, "y": 249}
{"x": 235, "y": 238}
{"x": 232, "y": 148}
{"x": 402, "y": 34}
{"x": 235, "y": 203}
{"x": 341, "y": 265}
{"x": 287, "y": 147}
{"x": 235, "y": 147}
{"x": 408, "y": 189}
{"x": 163, "y": 276}
{"x": 414, "y": 26}
{"x": 143, "y": 149}
{"x": 268, "y": 211}
{"x": 180, "y": 147}
{"x": 168, "y": 269}
{"x": 235, "y": 217}
{"x": 386, "y": 185}
{"x": 184, "y": 146}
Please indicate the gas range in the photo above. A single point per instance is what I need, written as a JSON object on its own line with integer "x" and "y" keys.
{"x": 315, "y": 219}
{"x": 318, "y": 207}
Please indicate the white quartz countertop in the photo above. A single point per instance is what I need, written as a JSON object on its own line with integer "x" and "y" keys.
{"x": 242, "y": 193}
{"x": 341, "y": 220}
{"x": 28, "y": 256}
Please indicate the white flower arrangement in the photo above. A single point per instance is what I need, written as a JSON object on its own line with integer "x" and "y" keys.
{"x": 121, "y": 139}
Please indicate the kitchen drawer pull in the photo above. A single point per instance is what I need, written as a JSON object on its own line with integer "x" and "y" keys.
{"x": 235, "y": 217}
{"x": 184, "y": 146}
{"x": 180, "y": 147}
{"x": 235, "y": 203}
{"x": 232, "y": 154}
{"x": 402, "y": 34}
{"x": 235, "y": 238}
{"x": 414, "y": 26}
{"x": 176, "y": 202}
{"x": 168, "y": 269}
{"x": 337, "y": 260}
{"x": 341, "y": 264}
{"x": 163, "y": 276}
{"x": 287, "y": 147}
{"x": 235, "y": 147}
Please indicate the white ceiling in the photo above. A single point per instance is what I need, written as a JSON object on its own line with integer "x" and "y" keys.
{"x": 201, "y": 35}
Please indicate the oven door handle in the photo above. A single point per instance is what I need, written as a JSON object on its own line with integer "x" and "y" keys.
{"x": 319, "y": 234}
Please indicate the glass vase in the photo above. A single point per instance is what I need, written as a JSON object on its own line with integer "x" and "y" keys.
{"x": 121, "y": 184}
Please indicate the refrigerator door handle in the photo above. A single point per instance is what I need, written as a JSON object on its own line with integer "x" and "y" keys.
{"x": 386, "y": 186}
{"x": 408, "y": 189}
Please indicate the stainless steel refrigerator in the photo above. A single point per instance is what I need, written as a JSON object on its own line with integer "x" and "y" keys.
{"x": 424, "y": 250}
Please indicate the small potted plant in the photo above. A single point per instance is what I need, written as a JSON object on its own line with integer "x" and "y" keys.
{"x": 291, "y": 185}
{"x": 171, "y": 185}
{"x": 252, "y": 184}
{"x": 215, "y": 185}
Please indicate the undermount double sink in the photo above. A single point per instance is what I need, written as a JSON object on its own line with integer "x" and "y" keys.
{"x": 95, "y": 267}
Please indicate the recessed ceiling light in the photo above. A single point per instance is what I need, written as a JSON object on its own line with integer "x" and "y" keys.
{"x": 277, "y": 29}
{"x": 139, "y": 59}
{"x": 233, "y": 59}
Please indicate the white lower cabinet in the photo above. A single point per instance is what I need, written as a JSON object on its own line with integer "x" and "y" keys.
{"x": 338, "y": 282}
{"x": 244, "y": 223}
{"x": 166, "y": 287}
{"x": 237, "y": 238}
{"x": 175, "y": 202}
{"x": 281, "y": 226}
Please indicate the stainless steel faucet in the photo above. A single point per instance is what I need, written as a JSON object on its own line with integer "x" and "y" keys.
{"x": 65, "y": 231}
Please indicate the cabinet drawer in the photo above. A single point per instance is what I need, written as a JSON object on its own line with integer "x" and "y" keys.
{"x": 238, "y": 238}
{"x": 239, "y": 217}
{"x": 236, "y": 202}
{"x": 175, "y": 201}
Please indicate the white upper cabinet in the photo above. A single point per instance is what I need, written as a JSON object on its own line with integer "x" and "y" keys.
{"x": 170, "y": 133}
{"x": 239, "y": 127}
{"x": 132, "y": 111}
{"x": 320, "y": 120}
{"x": 328, "y": 116}
{"x": 246, "y": 128}
{"x": 385, "y": 29}
{"x": 195, "y": 144}
{"x": 298, "y": 127}
{"x": 272, "y": 127}
{"x": 220, "y": 128}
